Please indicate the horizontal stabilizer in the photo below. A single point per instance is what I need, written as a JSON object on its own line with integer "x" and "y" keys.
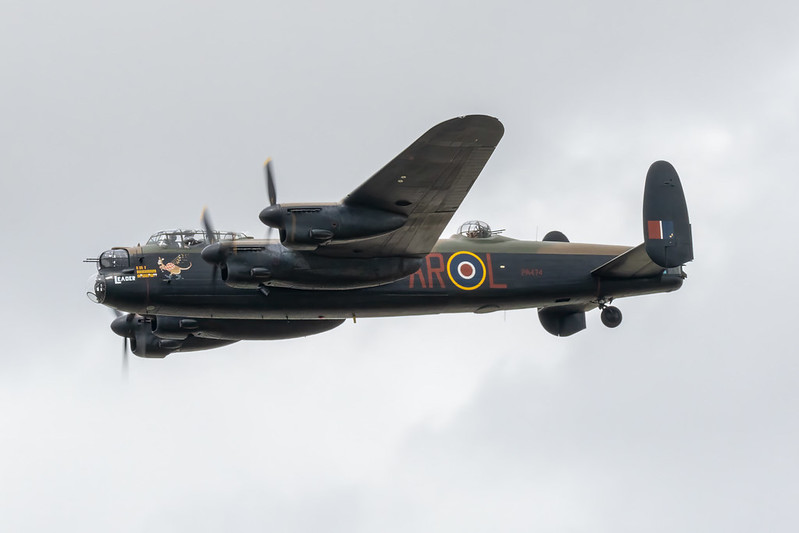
{"x": 634, "y": 263}
{"x": 667, "y": 230}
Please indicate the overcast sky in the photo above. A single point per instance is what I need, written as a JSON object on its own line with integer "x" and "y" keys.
{"x": 119, "y": 120}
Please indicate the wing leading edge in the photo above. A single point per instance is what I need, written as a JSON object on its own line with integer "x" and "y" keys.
{"x": 427, "y": 183}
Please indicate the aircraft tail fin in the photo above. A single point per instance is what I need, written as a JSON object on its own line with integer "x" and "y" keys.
{"x": 667, "y": 230}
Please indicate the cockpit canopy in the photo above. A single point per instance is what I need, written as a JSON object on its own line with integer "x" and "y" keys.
{"x": 188, "y": 238}
{"x": 476, "y": 229}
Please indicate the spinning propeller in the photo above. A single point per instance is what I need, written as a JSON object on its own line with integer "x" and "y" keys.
{"x": 270, "y": 182}
{"x": 208, "y": 227}
{"x": 272, "y": 194}
{"x": 215, "y": 253}
{"x": 272, "y": 215}
{"x": 123, "y": 326}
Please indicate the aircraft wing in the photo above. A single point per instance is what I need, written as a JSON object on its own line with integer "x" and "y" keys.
{"x": 427, "y": 183}
{"x": 634, "y": 263}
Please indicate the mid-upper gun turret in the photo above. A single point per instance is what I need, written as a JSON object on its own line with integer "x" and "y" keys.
{"x": 477, "y": 229}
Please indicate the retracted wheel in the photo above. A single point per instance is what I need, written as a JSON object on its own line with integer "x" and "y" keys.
{"x": 611, "y": 316}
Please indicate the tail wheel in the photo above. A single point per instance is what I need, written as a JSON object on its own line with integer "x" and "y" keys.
{"x": 611, "y": 316}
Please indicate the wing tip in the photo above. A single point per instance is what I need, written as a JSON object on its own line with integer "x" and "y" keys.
{"x": 468, "y": 130}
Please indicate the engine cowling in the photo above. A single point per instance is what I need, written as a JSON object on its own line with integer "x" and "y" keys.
{"x": 173, "y": 328}
{"x": 305, "y": 227}
{"x": 145, "y": 343}
{"x": 158, "y": 336}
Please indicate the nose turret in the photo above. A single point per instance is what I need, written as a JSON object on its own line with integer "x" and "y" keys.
{"x": 118, "y": 284}
{"x": 115, "y": 258}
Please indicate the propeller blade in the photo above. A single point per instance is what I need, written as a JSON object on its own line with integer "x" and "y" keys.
{"x": 124, "y": 359}
{"x": 210, "y": 235}
{"x": 271, "y": 215}
{"x": 122, "y": 326}
{"x": 270, "y": 182}
{"x": 208, "y": 226}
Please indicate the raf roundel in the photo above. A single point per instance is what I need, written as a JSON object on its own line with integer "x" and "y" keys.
{"x": 466, "y": 271}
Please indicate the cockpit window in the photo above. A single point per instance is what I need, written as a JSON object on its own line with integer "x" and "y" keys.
{"x": 116, "y": 258}
{"x": 189, "y": 238}
{"x": 475, "y": 229}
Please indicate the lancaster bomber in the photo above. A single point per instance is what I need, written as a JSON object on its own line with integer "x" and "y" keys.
{"x": 378, "y": 253}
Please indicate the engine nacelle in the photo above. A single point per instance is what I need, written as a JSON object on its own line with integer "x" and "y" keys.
{"x": 144, "y": 342}
{"x": 173, "y": 328}
{"x": 305, "y": 227}
{"x": 158, "y": 336}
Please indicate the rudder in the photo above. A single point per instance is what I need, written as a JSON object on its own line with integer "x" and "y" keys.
{"x": 667, "y": 229}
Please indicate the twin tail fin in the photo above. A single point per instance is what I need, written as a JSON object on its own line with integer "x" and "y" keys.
{"x": 667, "y": 230}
